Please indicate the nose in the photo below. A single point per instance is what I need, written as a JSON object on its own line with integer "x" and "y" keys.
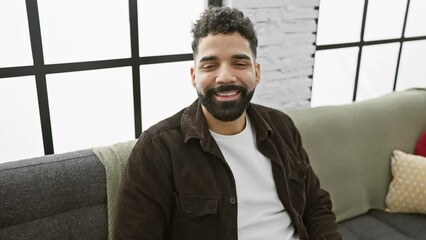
{"x": 225, "y": 75}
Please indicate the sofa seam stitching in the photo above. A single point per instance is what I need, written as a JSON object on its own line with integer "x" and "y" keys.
{"x": 51, "y": 215}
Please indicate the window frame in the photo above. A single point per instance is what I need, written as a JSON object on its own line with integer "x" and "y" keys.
{"x": 362, "y": 43}
{"x": 39, "y": 69}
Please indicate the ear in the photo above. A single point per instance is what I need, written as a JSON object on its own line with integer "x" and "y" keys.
{"x": 257, "y": 72}
{"x": 192, "y": 71}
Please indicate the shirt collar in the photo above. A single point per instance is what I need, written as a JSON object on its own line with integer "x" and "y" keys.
{"x": 194, "y": 124}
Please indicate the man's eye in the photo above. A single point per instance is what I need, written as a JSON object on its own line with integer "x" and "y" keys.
{"x": 208, "y": 66}
{"x": 241, "y": 64}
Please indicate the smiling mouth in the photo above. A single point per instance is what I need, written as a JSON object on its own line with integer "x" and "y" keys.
{"x": 227, "y": 95}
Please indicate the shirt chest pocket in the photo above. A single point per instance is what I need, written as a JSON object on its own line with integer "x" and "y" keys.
{"x": 195, "y": 217}
{"x": 196, "y": 206}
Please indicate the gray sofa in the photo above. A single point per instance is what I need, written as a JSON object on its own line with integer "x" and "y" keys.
{"x": 350, "y": 148}
{"x": 64, "y": 196}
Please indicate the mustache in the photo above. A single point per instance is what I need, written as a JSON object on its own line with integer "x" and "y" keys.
{"x": 226, "y": 87}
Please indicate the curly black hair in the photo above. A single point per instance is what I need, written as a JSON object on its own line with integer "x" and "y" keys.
{"x": 215, "y": 20}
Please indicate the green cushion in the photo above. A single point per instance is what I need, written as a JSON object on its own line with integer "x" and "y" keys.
{"x": 350, "y": 146}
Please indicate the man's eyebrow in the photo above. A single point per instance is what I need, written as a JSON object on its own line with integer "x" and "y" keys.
{"x": 208, "y": 58}
{"x": 235, "y": 56}
{"x": 241, "y": 57}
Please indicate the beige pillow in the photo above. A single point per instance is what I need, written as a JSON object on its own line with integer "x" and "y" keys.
{"x": 407, "y": 190}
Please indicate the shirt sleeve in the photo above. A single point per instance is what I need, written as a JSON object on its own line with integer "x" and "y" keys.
{"x": 147, "y": 193}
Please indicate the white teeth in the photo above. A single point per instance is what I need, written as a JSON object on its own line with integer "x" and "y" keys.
{"x": 227, "y": 94}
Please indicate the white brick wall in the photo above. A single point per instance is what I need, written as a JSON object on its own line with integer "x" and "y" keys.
{"x": 285, "y": 30}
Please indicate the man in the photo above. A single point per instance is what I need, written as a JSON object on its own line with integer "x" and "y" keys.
{"x": 223, "y": 168}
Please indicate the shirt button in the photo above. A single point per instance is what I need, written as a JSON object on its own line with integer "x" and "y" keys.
{"x": 232, "y": 200}
{"x": 189, "y": 210}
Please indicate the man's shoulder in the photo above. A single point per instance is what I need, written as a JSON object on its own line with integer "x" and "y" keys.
{"x": 278, "y": 121}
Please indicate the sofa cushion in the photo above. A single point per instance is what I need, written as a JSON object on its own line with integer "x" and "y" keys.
{"x": 350, "y": 146}
{"x": 380, "y": 225}
{"x": 407, "y": 191}
{"x": 82, "y": 223}
{"x": 36, "y": 192}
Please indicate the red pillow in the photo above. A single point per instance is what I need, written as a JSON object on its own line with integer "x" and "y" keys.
{"x": 421, "y": 145}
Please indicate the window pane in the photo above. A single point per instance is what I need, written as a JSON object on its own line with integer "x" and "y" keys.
{"x": 339, "y": 21}
{"x": 377, "y": 72}
{"x": 90, "y": 108}
{"x": 15, "y": 46}
{"x": 20, "y": 120}
{"x": 334, "y": 76}
{"x": 412, "y": 67}
{"x": 165, "y": 26}
{"x": 416, "y": 19}
{"x": 385, "y": 19}
{"x": 165, "y": 88}
{"x": 80, "y": 30}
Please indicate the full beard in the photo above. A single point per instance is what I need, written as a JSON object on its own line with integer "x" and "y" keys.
{"x": 226, "y": 111}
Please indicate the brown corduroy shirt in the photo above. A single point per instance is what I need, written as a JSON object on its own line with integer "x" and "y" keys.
{"x": 177, "y": 184}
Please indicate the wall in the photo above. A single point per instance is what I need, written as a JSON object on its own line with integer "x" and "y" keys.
{"x": 286, "y": 32}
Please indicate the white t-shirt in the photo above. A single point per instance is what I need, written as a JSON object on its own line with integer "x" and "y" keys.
{"x": 261, "y": 215}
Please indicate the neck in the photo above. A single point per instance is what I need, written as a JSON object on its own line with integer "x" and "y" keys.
{"x": 225, "y": 128}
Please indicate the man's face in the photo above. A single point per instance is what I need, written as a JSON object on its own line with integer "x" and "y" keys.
{"x": 225, "y": 75}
